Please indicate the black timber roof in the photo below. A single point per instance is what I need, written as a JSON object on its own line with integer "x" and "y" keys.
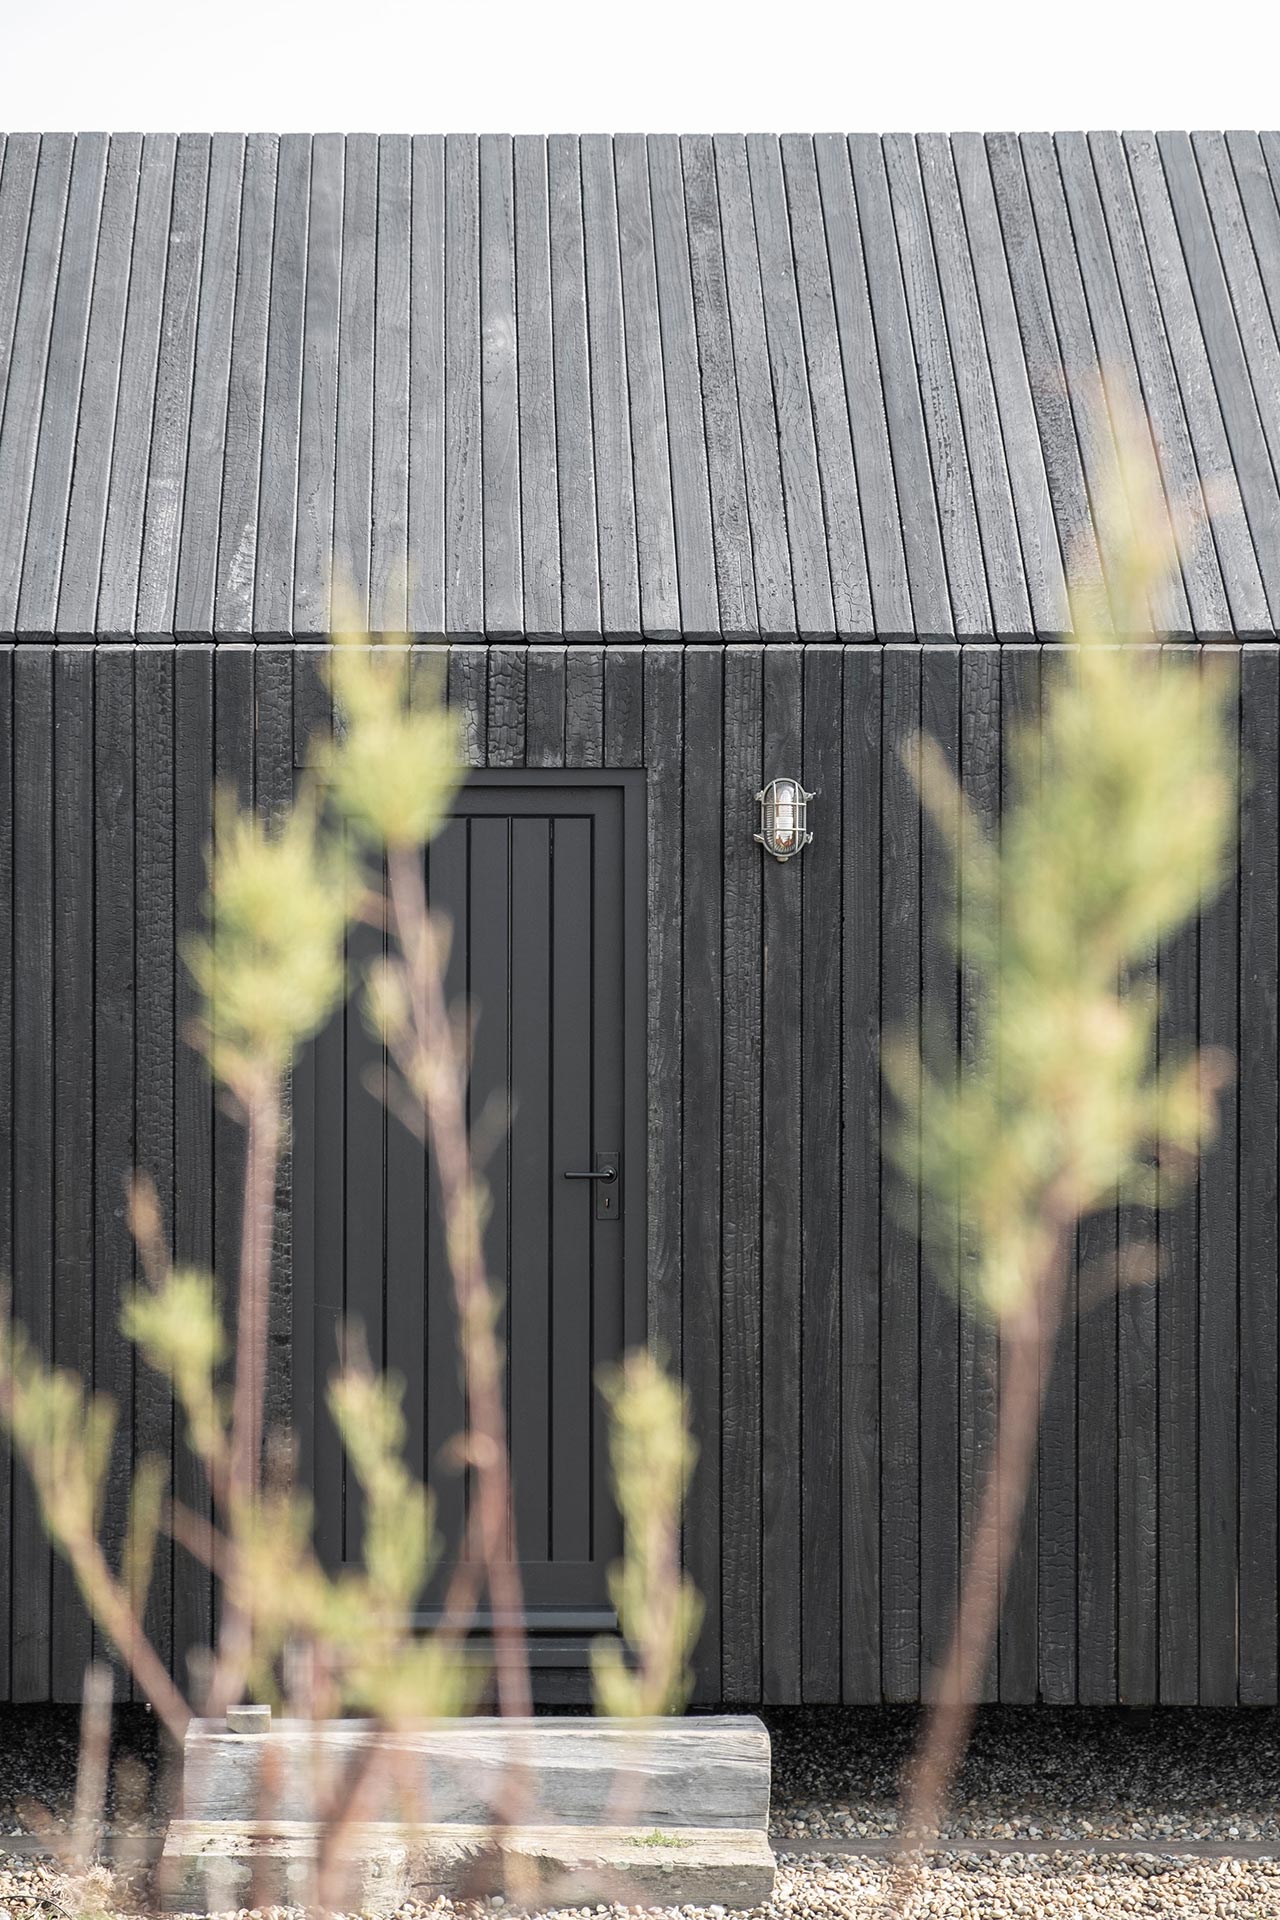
{"x": 621, "y": 388}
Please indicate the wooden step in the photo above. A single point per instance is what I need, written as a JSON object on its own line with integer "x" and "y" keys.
{"x": 221, "y": 1865}
{"x": 704, "y": 1771}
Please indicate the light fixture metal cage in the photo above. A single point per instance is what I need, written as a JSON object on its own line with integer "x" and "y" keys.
{"x": 784, "y": 817}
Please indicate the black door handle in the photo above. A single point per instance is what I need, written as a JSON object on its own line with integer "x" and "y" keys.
{"x": 601, "y": 1173}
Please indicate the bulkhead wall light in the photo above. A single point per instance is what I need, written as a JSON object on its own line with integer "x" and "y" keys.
{"x": 784, "y": 818}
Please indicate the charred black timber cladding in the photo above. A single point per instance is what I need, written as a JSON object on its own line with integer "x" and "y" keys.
{"x": 843, "y": 1403}
{"x": 618, "y": 389}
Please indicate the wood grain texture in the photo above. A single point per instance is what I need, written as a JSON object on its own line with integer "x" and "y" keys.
{"x": 28, "y": 361}
{"x": 932, "y": 614}
{"x": 650, "y": 438}
{"x": 745, "y": 271}
{"x": 610, "y": 401}
{"x": 246, "y": 394}
{"x": 283, "y": 474}
{"x": 1137, "y": 157}
{"x": 975, "y": 392}
{"x": 1228, "y": 318}
{"x": 539, "y": 472}
{"x": 499, "y": 383}
{"x": 829, "y": 577}
{"x": 940, "y": 401}
{"x": 844, "y": 1402}
{"x": 91, "y": 473}
{"x": 726, "y": 471}
{"x": 389, "y": 508}
{"x": 1050, "y": 397}
{"x": 353, "y": 446}
{"x": 63, "y": 380}
{"x": 193, "y": 616}
{"x": 690, "y": 488}
{"x": 312, "y": 575}
{"x": 427, "y": 392}
{"x": 175, "y": 374}
{"x": 730, "y": 388}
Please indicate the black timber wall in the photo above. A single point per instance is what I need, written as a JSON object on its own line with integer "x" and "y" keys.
{"x": 844, "y": 1406}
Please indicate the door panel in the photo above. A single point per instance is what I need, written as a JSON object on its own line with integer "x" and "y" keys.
{"x": 533, "y": 880}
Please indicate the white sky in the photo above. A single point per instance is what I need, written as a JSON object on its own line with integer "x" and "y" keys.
{"x": 669, "y": 65}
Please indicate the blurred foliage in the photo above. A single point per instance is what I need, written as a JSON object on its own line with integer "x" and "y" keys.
{"x": 271, "y": 970}
{"x": 1118, "y": 827}
{"x": 393, "y": 765}
{"x": 652, "y": 1453}
{"x": 269, "y": 965}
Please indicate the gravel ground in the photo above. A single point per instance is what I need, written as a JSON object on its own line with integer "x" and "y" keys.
{"x": 954, "y": 1887}
{"x": 1041, "y": 1775}
{"x": 1038, "y": 1773}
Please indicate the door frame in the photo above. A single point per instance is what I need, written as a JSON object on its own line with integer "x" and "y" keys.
{"x": 567, "y": 1632}
{"x": 632, "y": 784}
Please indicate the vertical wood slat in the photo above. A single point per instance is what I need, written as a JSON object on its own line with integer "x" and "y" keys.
{"x": 696, "y": 992}
{"x": 1018, "y": 1637}
{"x": 535, "y": 349}
{"x": 939, "y": 1389}
{"x": 175, "y": 376}
{"x": 389, "y": 501}
{"x": 1258, "y": 1321}
{"x": 782, "y": 1137}
{"x": 107, "y": 825}
{"x": 197, "y": 561}
{"x": 1177, "y": 1373}
{"x": 740, "y": 1183}
{"x": 312, "y": 581}
{"x": 77, "y": 1208}
{"x": 33, "y": 1141}
{"x": 427, "y": 391}
{"x": 193, "y": 775}
{"x": 899, "y": 1210}
{"x": 650, "y": 438}
{"x": 28, "y": 360}
{"x": 579, "y": 551}
{"x": 980, "y": 770}
{"x": 7, "y": 1130}
{"x": 95, "y": 428}
{"x": 237, "y": 536}
{"x": 864, "y": 423}
{"x": 1059, "y": 443}
{"x": 60, "y": 400}
{"x": 932, "y": 613}
{"x": 353, "y": 448}
{"x": 610, "y": 401}
{"x": 976, "y": 393}
{"x": 1057, "y": 1573}
{"x": 155, "y": 1036}
{"x": 499, "y": 396}
{"x": 860, "y": 1247}
{"x": 529, "y": 1389}
{"x": 690, "y": 492}
{"x": 464, "y": 529}
{"x": 730, "y": 522}
{"x": 277, "y": 580}
{"x": 940, "y": 400}
{"x": 1033, "y": 506}
{"x": 1218, "y": 1262}
{"x": 822, "y": 1213}
{"x": 572, "y": 1146}
{"x": 818, "y": 417}
{"x": 761, "y": 424}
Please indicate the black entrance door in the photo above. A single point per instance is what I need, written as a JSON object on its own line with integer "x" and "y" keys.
{"x": 543, "y": 887}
